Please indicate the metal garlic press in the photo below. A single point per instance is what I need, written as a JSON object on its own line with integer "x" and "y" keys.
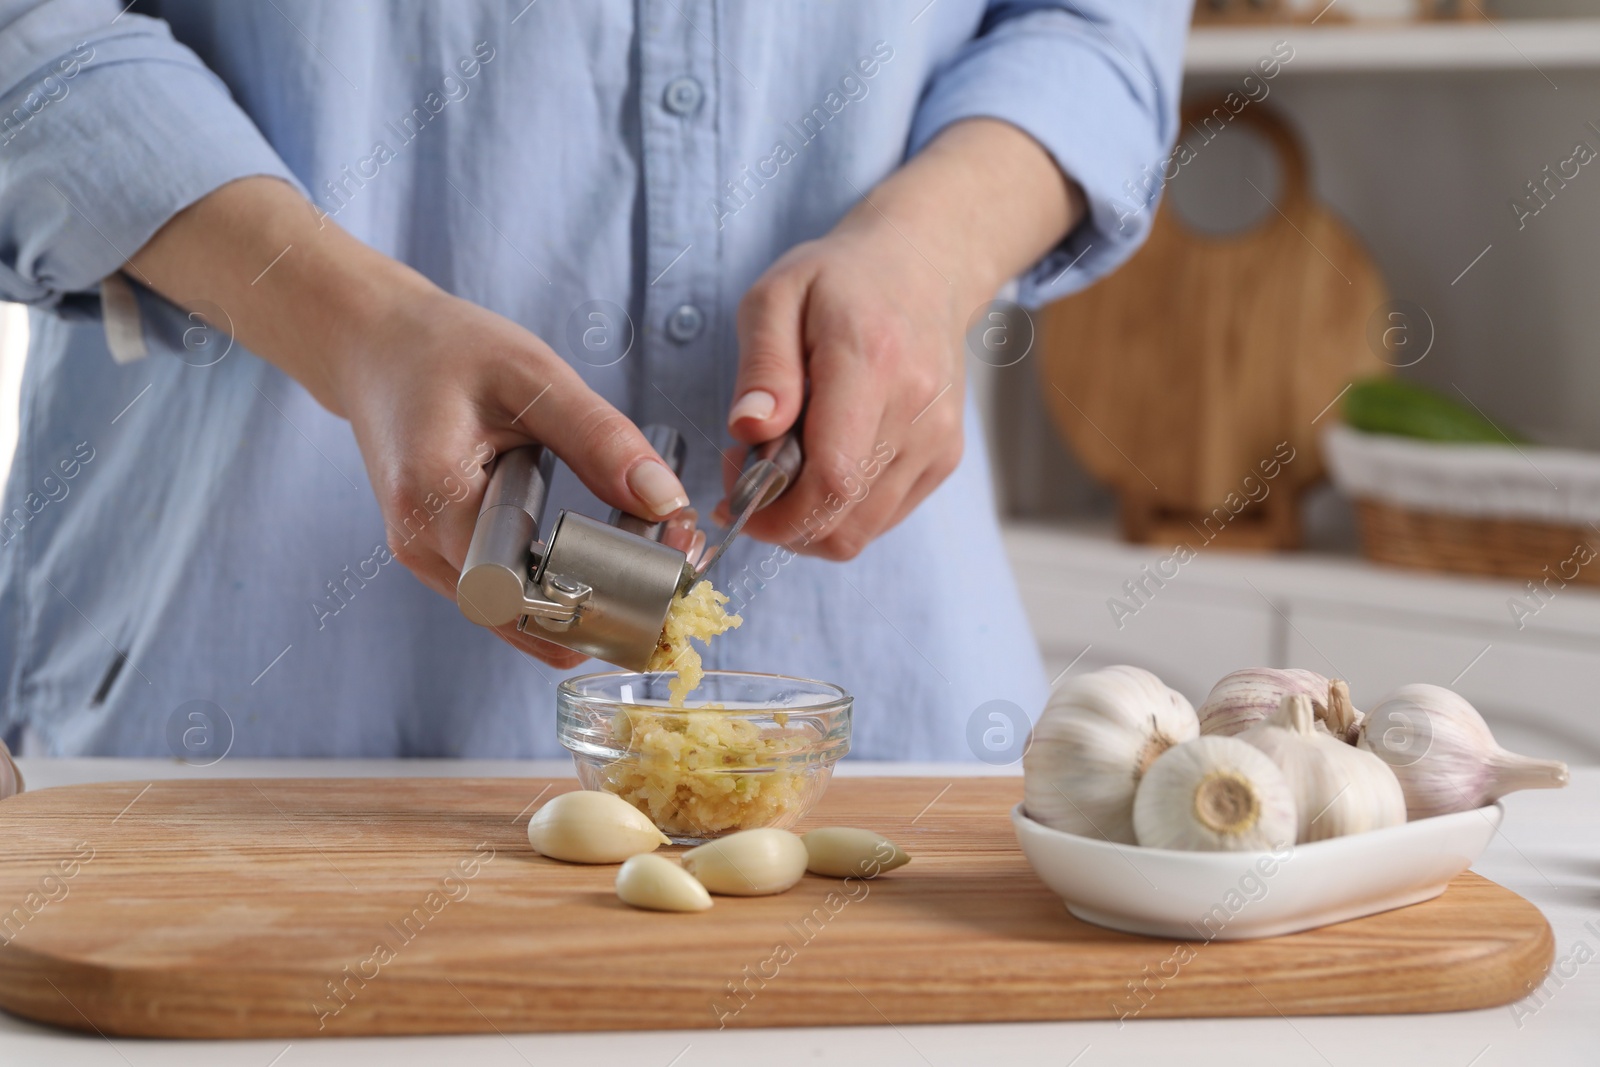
{"x": 600, "y": 588}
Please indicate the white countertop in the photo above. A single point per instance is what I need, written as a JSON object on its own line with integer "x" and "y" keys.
{"x": 1549, "y": 851}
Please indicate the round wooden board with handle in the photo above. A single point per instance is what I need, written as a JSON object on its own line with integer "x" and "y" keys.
{"x": 1206, "y": 358}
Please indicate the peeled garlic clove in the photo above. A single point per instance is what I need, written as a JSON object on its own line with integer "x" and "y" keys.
{"x": 588, "y": 826}
{"x": 10, "y": 774}
{"x": 1092, "y": 743}
{"x": 845, "y": 852}
{"x": 1338, "y": 789}
{"x": 1444, "y": 755}
{"x": 1245, "y": 697}
{"x": 658, "y": 884}
{"x": 1215, "y": 794}
{"x": 750, "y": 863}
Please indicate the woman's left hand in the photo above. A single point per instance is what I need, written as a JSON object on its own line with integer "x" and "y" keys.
{"x": 873, "y": 316}
{"x": 877, "y": 331}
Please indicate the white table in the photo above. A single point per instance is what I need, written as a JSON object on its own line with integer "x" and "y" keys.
{"x": 1549, "y": 852}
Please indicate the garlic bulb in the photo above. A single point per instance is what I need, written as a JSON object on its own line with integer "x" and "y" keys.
{"x": 1444, "y": 755}
{"x": 588, "y": 826}
{"x": 1216, "y": 794}
{"x": 1092, "y": 744}
{"x": 1245, "y": 697}
{"x": 750, "y": 863}
{"x": 659, "y": 884}
{"x": 10, "y": 774}
{"x": 1338, "y": 789}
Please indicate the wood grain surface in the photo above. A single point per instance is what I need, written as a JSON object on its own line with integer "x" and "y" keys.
{"x": 1177, "y": 378}
{"x": 295, "y": 907}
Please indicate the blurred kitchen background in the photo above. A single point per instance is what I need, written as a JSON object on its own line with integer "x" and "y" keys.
{"x": 1142, "y": 404}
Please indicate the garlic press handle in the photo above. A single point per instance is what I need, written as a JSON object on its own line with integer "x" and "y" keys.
{"x": 495, "y": 587}
{"x": 769, "y": 469}
{"x": 492, "y": 589}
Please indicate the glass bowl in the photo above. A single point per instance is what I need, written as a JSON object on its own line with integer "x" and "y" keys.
{"x": 747, "y": 750}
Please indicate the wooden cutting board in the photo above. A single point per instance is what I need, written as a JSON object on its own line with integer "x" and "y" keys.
{"x": 287, "y": 908}
{"x": 1194, "y": 380}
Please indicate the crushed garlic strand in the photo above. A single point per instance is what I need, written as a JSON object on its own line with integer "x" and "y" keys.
{"x": 698, "y": 613}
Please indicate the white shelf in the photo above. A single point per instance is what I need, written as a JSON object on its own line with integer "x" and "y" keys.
{"x": 1093, "y": 554}
{"x": 1531, "y": 45}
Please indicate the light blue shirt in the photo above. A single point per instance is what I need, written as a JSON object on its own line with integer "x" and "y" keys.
{"x": 183, "y": 527}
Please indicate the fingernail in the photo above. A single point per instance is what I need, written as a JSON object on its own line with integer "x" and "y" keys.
{"x": 654, "y": 484}
{"x": 756, "y": 404}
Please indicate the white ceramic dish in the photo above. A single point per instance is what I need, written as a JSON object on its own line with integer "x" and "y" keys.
{"x": 1233, "y": 896}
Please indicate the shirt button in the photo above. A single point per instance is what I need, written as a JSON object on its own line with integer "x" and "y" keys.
{"x": 683, "y": 96}
{"x": 684, "y": 323}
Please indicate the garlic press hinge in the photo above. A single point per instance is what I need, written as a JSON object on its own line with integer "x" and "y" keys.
{"x": 564, "y": 604}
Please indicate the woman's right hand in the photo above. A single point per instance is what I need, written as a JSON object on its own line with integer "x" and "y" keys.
{"x": 445, "y": 385}
{"x": 434, "y": 386}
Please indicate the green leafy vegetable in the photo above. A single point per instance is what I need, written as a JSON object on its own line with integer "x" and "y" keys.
{"x": 1391, "y": 406}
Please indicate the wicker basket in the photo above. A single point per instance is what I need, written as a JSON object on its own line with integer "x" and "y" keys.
{"x": 1505, "y": 548}
{"x": 1529, "y": 513}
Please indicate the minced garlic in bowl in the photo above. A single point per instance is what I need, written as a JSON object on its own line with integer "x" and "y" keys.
{"x": 759, "y": 752}
{"x": 692, "y": 771}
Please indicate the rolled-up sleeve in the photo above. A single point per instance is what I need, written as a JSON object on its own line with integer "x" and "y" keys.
{"x": 1096, "y": 83}
{"x": 108, "y": 128}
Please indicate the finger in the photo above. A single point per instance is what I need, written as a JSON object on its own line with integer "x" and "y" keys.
{"x": 732, "y": 467}
{"x": 683, "y": 532}
{"x": 771, "y": 382}
{"x": 930, "y": 453}
{"x": 451, "y": 529}
{"x": 941, "y": 438}
{"x": 841, "y": 427}
{"x": 602, "y": 447}
{"x": 558, "y": 656}
{"x": 422, "y": 559}
{"x": 926, "y": 483}
{"x": 429, "y": 498}
{"x": 888, "y": 503}
{"x": 880, "y": 499}
{"x": 678, "y": 532}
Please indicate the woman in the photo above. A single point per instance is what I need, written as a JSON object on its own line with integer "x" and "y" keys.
{"x": 302, "y": 269}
